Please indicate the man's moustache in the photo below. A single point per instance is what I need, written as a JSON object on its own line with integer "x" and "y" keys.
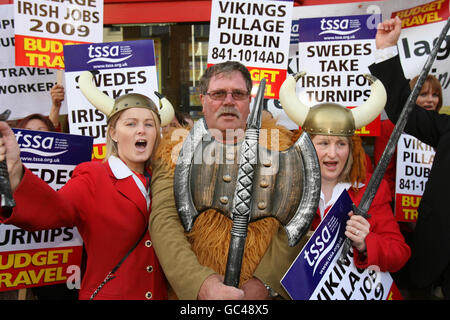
{"x": 228, "y": 110}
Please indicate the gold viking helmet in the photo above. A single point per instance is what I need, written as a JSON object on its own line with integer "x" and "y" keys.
{"x": 331, "y": 118}
{"x": 109, "y": 106}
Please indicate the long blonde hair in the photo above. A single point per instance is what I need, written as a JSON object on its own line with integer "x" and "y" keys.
{"x": 111, "y": 145}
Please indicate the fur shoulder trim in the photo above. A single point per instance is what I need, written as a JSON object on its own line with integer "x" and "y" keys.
{"x": 272, "y": 137}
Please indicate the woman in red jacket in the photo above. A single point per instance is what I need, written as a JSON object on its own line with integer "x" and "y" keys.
{"x": 109, "y": 202}
{"x": 377, "y": 240}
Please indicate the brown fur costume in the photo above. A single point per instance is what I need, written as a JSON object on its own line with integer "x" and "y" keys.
{"x": 210, "y": 236}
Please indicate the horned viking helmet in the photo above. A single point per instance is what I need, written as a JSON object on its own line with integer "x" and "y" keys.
{"x": 331, "y": 118}
{"x": 110, "y": 107}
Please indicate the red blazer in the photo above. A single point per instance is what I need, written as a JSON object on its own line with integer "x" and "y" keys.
{"x": 110, "y": 213}
{"x": 386, "y": 247}
{"x": 380, "y": 144}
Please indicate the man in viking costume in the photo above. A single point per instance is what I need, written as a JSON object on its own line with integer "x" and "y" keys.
{"x": 195, "y": 262}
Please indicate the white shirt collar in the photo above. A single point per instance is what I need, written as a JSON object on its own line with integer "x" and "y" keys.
{"x": 121, "y": 171}
{"x": 341, "y": 186}
{"x": 119, "y": 168}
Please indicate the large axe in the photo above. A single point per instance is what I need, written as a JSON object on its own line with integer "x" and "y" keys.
{"x": 290, "y": 194}
{"x": 380, "y": 169}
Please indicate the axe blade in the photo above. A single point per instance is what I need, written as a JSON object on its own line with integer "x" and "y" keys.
{"x": 183, "y": 194}
{"x": 303, "y": 217}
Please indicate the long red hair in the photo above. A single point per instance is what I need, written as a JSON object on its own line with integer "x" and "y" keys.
{"x": 356, "y": 174}
{"x": 358, "y": 170}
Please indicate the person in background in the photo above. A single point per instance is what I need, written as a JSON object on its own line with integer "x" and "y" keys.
{"x": 430, "y": 259}
{"x": 181, "y": 119}
{"x": 39, "y": 122}
{"x": 429, "y": 98}
{"x": 185, "y": 119}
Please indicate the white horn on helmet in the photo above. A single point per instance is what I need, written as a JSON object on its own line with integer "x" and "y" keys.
{"x": 97, "y": 98}
{"x": 294, "y": 108}
{"x": 166, "y": 110}
{"x": 372, "y": 107}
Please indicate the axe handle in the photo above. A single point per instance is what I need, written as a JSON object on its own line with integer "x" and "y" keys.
{"x": 242, "y": 200}
{"x": 236, "y": 251}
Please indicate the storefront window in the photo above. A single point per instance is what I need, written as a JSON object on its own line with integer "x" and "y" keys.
{"x": 181, "y": 51}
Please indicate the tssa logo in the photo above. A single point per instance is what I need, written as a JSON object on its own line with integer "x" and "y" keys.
{"x": 107, "y": 53}
{"x": 339, "y": 26}
{"x": 34, "y": 141}
{"x": 319, "y": 247}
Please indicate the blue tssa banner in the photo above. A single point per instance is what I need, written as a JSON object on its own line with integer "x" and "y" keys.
{"x": 338, "y": 28}
{"x": 109, "y": 55}
{"x": 316, "y": 274}
{"x": 53, "y": 148}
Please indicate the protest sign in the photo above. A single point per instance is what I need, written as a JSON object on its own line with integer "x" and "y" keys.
{"x": 44, "y": 257}
{"x": 125, "y": 67}
{"x": 43, "y": 28}
{"x": 315, "y": 11}
{"x": 421, "y": 26}
{"x": 414, "y": 161}
{"x": 255, "y": 33}
{"x": 317, "y": 274}
{"x": 21, "y": 87}
{"x": 335, "y": 52}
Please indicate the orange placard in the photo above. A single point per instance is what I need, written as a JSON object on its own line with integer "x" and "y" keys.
{"x": 40, "y": 52}
{"x": 431, "y": 12}
{"x": 38, "y": 267}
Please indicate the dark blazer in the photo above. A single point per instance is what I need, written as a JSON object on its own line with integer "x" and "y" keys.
{"x": 431, "y": 245}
